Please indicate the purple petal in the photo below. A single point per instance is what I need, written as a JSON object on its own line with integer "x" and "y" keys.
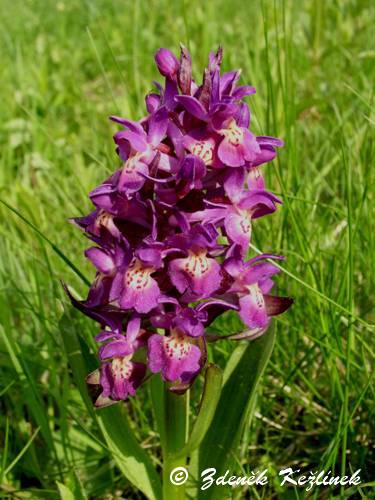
{"x": 259, "y": 272}
{"x": 150, "y": 256}
{"x": 152, "y": 102}
{"x": 102, "y": 195}
{"x": 189, "y": 321}
{"x": 101, "y": 260}
{"x": 270, "y": 141}
{"x": 264, "y": 256}
{"x": 158, "y": 124}
{"x": 117, "y": 348}
{"x": 243, "y": 115}
{"x": 192, "y": 106}
{"x": 233, "y": 266}
{"x": 253, "y": 309}
{"x": 238, "y": 229}
{"x": 243, "y": 91}
{"x": 234, "y": 183}
{"x": 196, "y": 273}
{"x": 133, "y": 328}
{"x": 169, "y": 94}
{"x": 266, "y": 154}
{"x": 130, "y": 124}
{"x": 192, "y": 169}
{"x": 228, "y": 81}
{"x": 174, "y": 356}
{"x": 132, "y": 176}
{"x": 107, "y": 335}
{"x": 259, "y": 203}
{"x": 137, "y": 141}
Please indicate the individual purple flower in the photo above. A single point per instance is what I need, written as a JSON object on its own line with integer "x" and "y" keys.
{"x": 135, "y": 288}
{"x": 252, "y": 282}
{"x": 119, "y": 376}
{"x": 238, "y": 146}
{"x": 138, "y": 148}
{"x": 197, "y": 273}
{"x": 99, "y": 225}
{"x": 175, "y": 356}
{"x": 236, "y": 217}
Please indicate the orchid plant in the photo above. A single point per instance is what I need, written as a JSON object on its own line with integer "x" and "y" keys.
{"x": 171, "y": 230}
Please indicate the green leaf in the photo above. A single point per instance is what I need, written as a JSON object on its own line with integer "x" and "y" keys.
{"x": 245, "y": 367}
{"x": 77, "y": 362}
{"x": 65, "y": 492}
{"x": 209, "y": 401}
{"x": 130, "y": 457}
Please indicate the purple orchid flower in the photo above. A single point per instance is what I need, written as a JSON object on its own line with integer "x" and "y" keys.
{"x": 138, "y": 148}
{"x": 175, "y": 356}
{"x": 252, "y": 282}
{"x": 236, "y": 217}
{"x": 198, "y": 274}
{"x": 119, "y": 376}
{"x": 171, "y": 230}
{"x": 134, "y": 287}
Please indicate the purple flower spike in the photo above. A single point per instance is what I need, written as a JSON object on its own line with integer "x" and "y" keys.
{"x": 171, "y": 229}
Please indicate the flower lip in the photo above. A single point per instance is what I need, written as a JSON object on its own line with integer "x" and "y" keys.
{"x": 174, "y": 356}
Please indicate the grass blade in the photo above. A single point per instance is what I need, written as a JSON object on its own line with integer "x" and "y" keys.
{"x": 54, "y": 247}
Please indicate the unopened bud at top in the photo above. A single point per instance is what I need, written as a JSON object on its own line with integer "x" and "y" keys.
{"x": 167, "y": 63}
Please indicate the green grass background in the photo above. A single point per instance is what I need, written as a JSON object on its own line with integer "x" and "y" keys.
{"x": 66, "y": 66}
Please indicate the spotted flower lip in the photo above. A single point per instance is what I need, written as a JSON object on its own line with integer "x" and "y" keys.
{"x": 175, "y": 356}
{"x": 135, "y": 288}
{"x": 238, "y": 146}
{"x": 170, "y": 231}
{"x": 118, "y": 379}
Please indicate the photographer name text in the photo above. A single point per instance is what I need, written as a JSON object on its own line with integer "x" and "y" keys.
{"x": 288, "y": 476}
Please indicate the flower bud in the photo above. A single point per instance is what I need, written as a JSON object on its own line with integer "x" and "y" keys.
{"x": 152, "y": 102}
{"x": 167, "y": 63}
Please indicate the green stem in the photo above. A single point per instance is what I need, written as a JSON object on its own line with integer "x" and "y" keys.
{"x": 175, "y": 434}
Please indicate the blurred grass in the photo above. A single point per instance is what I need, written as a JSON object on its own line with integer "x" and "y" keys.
{"x": 66, "y": 66}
